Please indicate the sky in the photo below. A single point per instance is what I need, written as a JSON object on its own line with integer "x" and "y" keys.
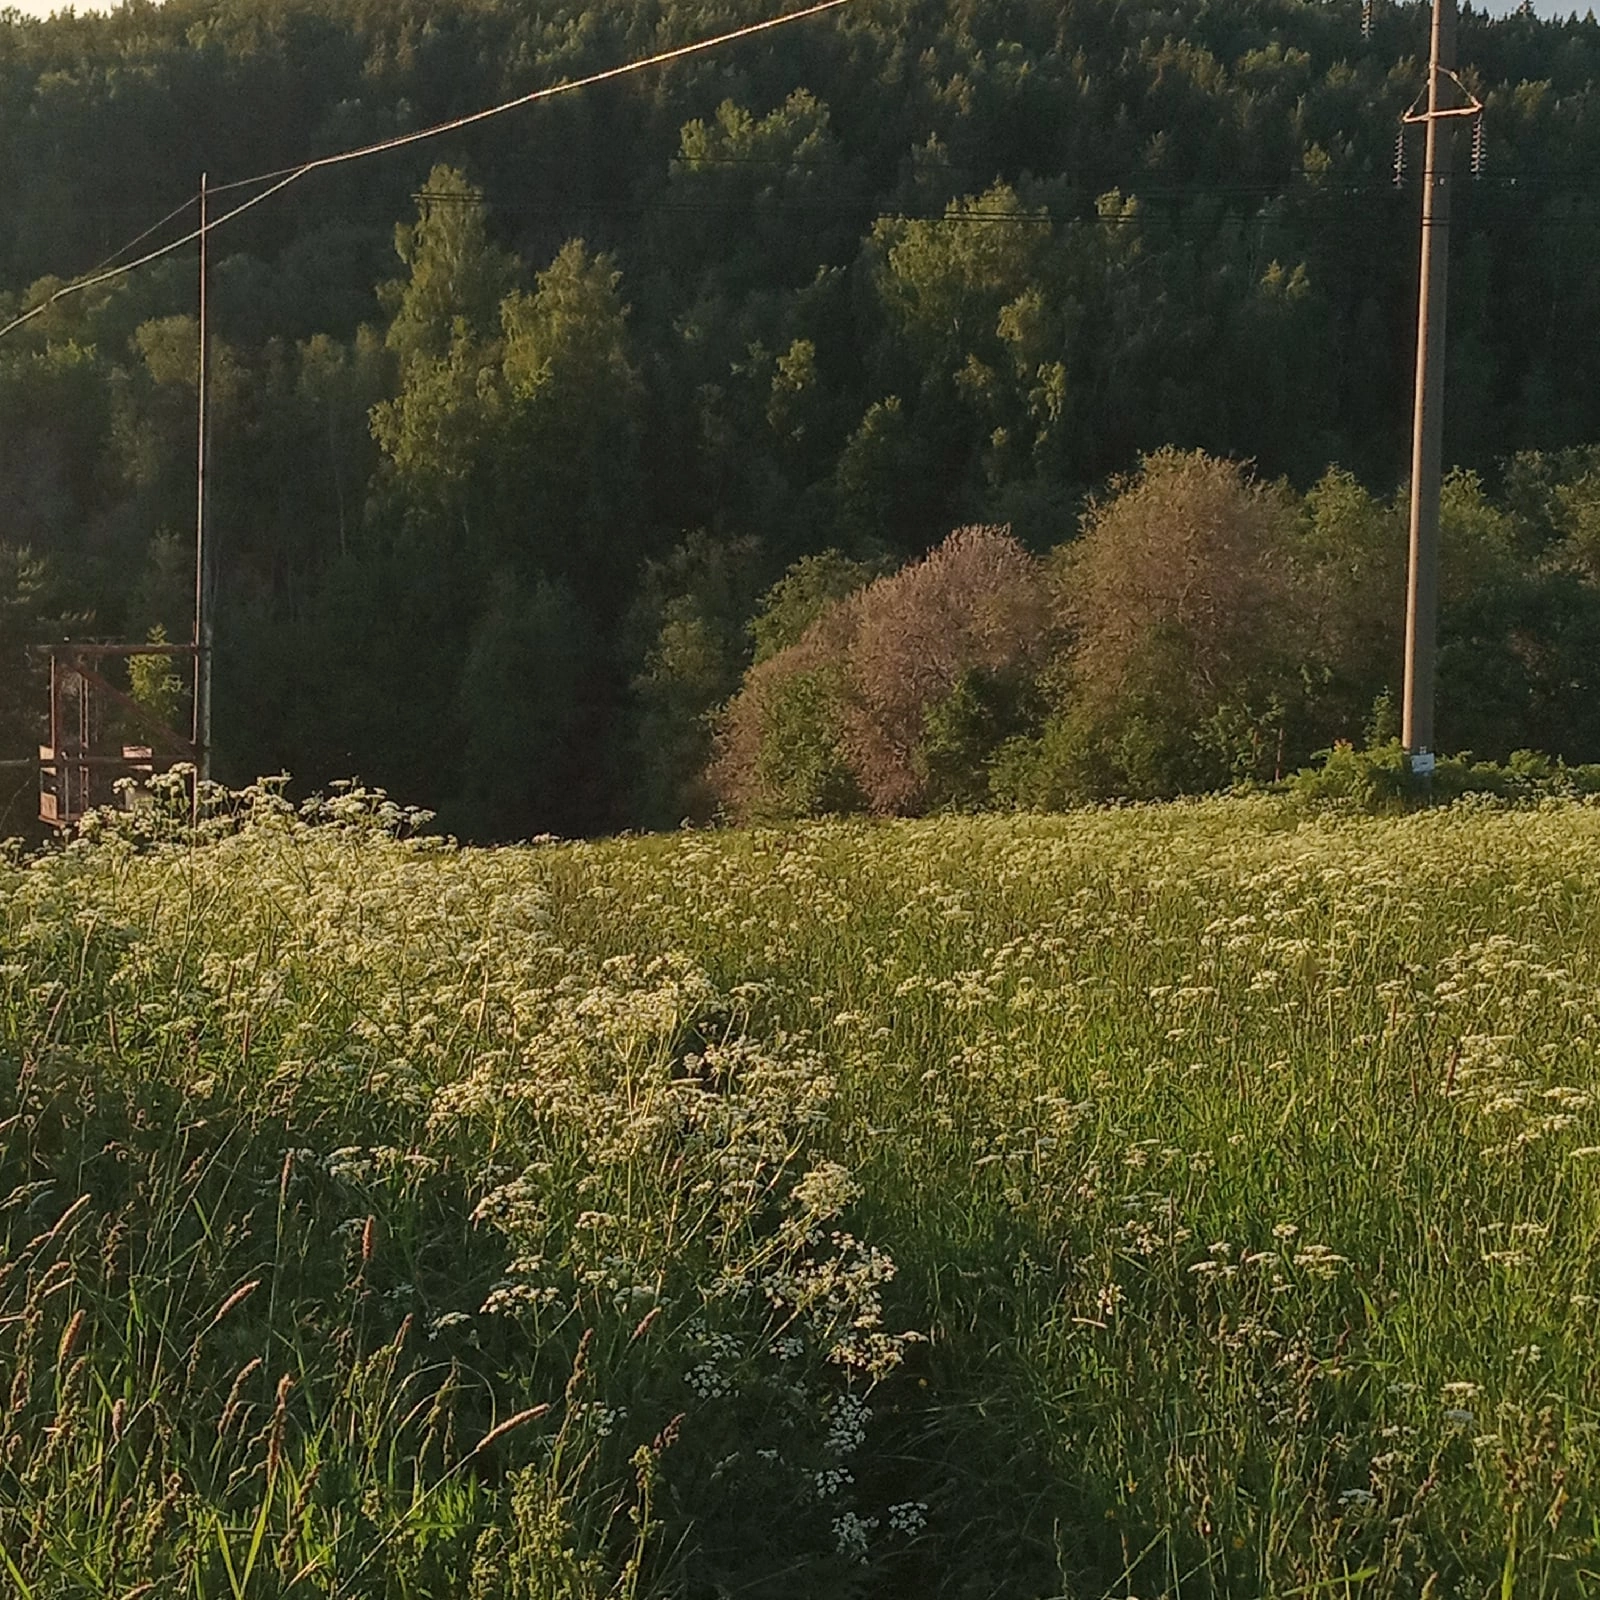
{"x": 1545, "y": 8}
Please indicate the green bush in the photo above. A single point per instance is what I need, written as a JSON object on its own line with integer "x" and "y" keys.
{"x": 964, "y": 732}
{"x": 801, "y": 770}
{"x": 1378, "y": 779}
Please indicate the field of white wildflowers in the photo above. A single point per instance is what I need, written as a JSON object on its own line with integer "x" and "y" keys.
{"x": 1170, "y": 1202}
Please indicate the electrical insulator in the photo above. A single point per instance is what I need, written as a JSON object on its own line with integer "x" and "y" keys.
{"x": 1366, "y": 19}
{"x": 1400, "y": 158}
{"x": 1480, "y": 148}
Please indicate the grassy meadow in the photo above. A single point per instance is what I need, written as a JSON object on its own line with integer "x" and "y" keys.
{"x": 1186, "y": 1201}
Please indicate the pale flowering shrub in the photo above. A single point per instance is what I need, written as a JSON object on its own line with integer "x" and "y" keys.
{"x": 979, "y": 603}
{"x": 841, "y": 719}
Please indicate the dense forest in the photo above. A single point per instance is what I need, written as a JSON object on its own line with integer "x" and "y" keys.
{"x": 530, "y": 440}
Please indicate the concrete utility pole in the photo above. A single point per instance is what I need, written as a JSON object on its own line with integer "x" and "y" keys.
{"x": 1445, "y": 97}
{"x": 1422, "y": 584}
{"x": 203, "y": 626}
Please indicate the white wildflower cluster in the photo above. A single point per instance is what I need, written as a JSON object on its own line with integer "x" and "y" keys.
{"x": 823, "y": 1192}
{"x": 602, "y": 1090}
{"x": 910, "y": 1517}
{"x": 847, "y": 1423}
{"x": 1108, "y": 1300}
{"x": 1490, "y": 1074}
{"x": 836, "y": 1291}
{"x": 518, "y": 1294}
{"x": 1456, "y": 1394}
{"x": 709, "y": 1381}
{"x": 1319, "y": 1261}
{"x": 363, "y": 1167}
{"x": 712, "y": 1378}
{"x": 1225, "y": 1261}
{"x": 852, "y": 1534}
{"x": 597, "y": 1419}
{"x": 1517, "y": 1244}
{"x": 1154, "y": 1228}
{"x": 844, "y": 1433}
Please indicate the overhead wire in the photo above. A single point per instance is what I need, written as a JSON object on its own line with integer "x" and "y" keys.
{"x": 1558, "y": 182}
{"x": 139, "y": 239}
{"x": 284, "y": 176}
{"x": 1153, "y": 205}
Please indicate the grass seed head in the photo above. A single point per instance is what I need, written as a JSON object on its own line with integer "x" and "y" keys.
{"x": 69, "y": 1338}
{"x": 510, "y": 1425}
{"x": 280, "y": 1412}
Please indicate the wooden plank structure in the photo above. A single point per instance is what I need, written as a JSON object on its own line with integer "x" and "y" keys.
{"x": 80, "y": 767}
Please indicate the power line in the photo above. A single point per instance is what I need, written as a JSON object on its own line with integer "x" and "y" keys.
{"x": 283, "y": 177}
{"x": 1557, "y": 180}
{"x": 139, "y": 239}
{"x": 1156, "y": 209}
{"x": 870, "y": 210}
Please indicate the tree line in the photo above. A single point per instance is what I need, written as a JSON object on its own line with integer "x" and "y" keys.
{"x": 1201, "y": 629}
{"x": 534, "y": 446}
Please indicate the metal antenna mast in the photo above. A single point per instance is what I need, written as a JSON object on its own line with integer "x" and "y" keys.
{"x": 203, "y": 625}
{"x": 1445, "y": 96}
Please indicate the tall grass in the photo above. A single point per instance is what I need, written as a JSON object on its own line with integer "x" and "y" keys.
{"x": 1193, "y": 1201}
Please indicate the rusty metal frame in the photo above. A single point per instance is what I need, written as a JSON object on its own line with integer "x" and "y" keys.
{"x": 77, "y": 771}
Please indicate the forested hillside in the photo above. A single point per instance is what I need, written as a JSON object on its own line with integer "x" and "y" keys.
{"x": 515, "y": 430}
